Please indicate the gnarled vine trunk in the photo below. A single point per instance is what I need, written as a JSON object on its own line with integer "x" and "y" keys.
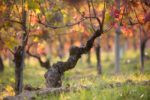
{"x": 54, "y": 74}
{"x": 19, "y": 56}
{"x": 19, "y": 64}
{"x": 89, "y": 58}
{"x": 142, "y": 50}
{"x": 60, "y": 48}
{"x": 117, "y": 53}
{"x": 45, "y": 64}
{"x": 117, "y": 45}
{"x": 98, "y": 57}
{"x": 1, "y": 65}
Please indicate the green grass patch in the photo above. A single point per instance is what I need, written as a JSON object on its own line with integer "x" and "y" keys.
{"x": 128, "y": 85}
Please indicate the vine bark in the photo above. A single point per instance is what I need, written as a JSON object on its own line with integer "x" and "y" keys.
{"x": 54, "y": 74}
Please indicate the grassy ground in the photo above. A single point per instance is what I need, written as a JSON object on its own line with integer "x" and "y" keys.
{"x": 128, "y": 85}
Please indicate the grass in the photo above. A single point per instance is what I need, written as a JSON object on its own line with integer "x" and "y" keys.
{"x": 130, "y": 84}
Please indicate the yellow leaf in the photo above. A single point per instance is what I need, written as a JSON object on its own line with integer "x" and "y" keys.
{"x": 37, "y": 11}
{"x": 36, "y": 39}
{"x": 26, "y": 6}
{"x": 10, "y": 90}
{"x": 100, "y": 6}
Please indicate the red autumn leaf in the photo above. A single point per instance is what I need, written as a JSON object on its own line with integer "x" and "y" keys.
{"x": 41, "y": 49}
{"x": 116, "y": 13}
{"x": 147, "y": 17}
{"x": 128, "y": 32}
